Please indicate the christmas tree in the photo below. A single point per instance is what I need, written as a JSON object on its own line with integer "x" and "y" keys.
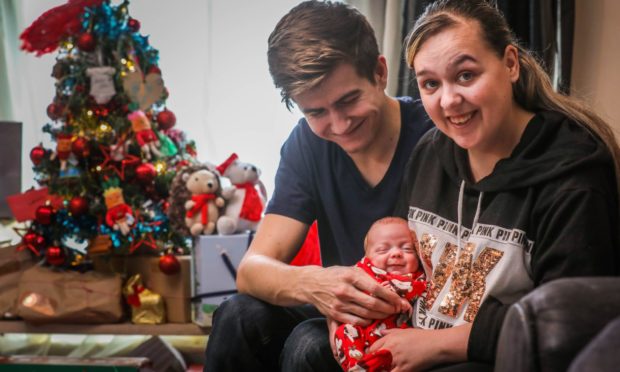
{"x": 116, "y": 150}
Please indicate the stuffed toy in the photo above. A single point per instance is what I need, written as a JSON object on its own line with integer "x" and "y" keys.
{"x": 119, "y": 215}
{"x": 63, "y": 149}
{"x": 244, "y": 203}
{"x": 195, "y": 198}
{"x": 145, "y": 136}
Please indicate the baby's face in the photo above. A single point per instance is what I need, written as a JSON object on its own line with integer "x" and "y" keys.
{"x": 391, "y": 247}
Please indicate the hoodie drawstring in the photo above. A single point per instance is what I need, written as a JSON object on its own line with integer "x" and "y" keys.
{"x": 460, "y": 216}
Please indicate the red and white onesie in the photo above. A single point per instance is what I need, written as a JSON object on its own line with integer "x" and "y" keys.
{"x": 353, "y": 342}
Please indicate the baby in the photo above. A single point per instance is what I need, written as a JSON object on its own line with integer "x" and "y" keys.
{"x": 391, "y": 259}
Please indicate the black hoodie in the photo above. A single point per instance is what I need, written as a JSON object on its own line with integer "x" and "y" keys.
{"x": 550, "y": 210}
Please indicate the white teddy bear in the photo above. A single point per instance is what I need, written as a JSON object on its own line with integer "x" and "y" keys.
{"x": 244, "y": 204}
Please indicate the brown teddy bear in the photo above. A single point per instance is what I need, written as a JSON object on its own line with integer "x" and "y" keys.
{"x": 195, "y": 198}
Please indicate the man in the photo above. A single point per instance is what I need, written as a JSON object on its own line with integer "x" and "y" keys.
{"x": 342, "y": 166}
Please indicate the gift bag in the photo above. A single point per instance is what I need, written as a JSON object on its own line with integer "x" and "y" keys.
{"x": 12, "y": 265}
{"x": 49, "y": 296}
{"x": 216, "y": 258}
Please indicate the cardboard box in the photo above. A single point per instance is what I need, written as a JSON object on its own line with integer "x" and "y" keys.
{"x": 216, "y": 258}
{"x": 175, "y": 289}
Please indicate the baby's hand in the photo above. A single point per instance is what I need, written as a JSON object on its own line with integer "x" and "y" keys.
{"x": 408, "y": 309}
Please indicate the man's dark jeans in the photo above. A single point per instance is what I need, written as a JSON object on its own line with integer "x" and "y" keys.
{"x": 251, "y": 335}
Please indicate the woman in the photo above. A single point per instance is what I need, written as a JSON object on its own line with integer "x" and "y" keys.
{"x": 515, "y": 187}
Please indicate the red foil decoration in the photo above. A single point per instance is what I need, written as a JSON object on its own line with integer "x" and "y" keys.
{"x": 46, "y": 32}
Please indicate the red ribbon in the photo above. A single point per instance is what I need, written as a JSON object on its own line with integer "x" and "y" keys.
{"x": 252, "y": 206}
{"x": 202, "y": 206}
{"x": 134, "y": 298}
{"x": 56, "y": 24}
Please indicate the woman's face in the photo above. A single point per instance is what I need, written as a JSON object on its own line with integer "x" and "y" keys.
{"x": 466, "y": 88}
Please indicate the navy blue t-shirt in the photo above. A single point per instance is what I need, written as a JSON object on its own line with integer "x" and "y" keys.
{"x": 317, "y": 180}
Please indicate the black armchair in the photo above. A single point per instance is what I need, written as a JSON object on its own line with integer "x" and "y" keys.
{"x": 549, "y": 329}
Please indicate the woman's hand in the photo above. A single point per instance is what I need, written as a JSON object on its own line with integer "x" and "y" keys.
{"x": 332, "y": 325}
{"x": 415, "y": 349}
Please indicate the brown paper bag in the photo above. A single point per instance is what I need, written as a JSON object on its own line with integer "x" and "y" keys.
{"x": 12, "y": 265}
{"x": 48, "y": 296}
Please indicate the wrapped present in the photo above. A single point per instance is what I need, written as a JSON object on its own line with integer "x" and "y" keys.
{"x": 175, "y": 289}
{"x": 216, "y": 258}
{"x": 48, "y": 296}
{"x": 147, "y": 307}
{"x": 12, "y": 264}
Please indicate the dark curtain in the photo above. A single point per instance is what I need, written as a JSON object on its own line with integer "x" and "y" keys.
{"x": 545, "y": 27}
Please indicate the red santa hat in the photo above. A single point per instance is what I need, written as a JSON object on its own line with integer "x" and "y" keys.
{"x": 222, "y": 167}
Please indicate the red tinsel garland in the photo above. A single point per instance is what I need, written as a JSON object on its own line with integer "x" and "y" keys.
{"x": 47, "y": 31}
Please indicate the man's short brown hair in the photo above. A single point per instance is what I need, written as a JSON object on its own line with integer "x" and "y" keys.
{"x": 312, "y": 39}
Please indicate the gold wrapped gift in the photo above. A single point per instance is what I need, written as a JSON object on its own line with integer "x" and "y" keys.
{"x": 147, "y": 307}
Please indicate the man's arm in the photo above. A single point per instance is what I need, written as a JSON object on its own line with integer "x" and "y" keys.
{"x": 345, "y": 294}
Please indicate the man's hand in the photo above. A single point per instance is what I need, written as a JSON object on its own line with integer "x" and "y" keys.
{"x": 349, "y": 295}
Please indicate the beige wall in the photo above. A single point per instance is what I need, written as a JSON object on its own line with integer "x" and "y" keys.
{"x": 596, "y": 57}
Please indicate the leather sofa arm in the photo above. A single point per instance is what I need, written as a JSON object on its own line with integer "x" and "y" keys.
{"x": 546, "y": 329}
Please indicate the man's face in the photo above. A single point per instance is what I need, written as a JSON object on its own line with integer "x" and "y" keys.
{"x": 391, "y": 247}
{"x": 346, "y": 108}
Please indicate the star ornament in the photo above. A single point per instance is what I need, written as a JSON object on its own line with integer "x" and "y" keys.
{"x": 118, "y": 167}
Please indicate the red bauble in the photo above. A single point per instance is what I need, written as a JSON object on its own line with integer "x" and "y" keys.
{"x": 35, "y": 240}
{"x": 86, "y": 42}
{"x": 169, "y": 264}
{"x": 37, "y": 154}
{"x": 55, "y": 256}
{"x": 133, "y": 24}
{"x": 146, "y": 172}
{"x": 54, "y": 110}
{"x": 78, "y": 206}
{"x": 166, "y": 119}
{"x": 44, "y": 215}
{"x": 80, "y": 147}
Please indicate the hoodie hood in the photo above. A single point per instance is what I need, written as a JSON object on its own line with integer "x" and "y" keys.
{"x": 550, "y": 146}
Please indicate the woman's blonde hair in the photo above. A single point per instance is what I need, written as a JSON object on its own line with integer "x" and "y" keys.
{"x": 533, "y": 90}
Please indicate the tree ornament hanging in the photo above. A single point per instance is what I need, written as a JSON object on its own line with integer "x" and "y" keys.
{"x": 133, "y": 25}
{"x": 37, "y": 154}
{"x": 78, "y": 206}
{"x": 101, "y": 83}
{"x": 145, "y": 173}
{"x": 166, "y": 119}
{"x": 55, "y": 110}
{"x": 119, "y": 215}
{"x": 35, "y": 240}
{"x": 55, "y": 255}
{"x": 169, "y": 264}
{"x": 44, "y": 214}
{"x": 86, "y": 42}
{"x": 79, "y": 147}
